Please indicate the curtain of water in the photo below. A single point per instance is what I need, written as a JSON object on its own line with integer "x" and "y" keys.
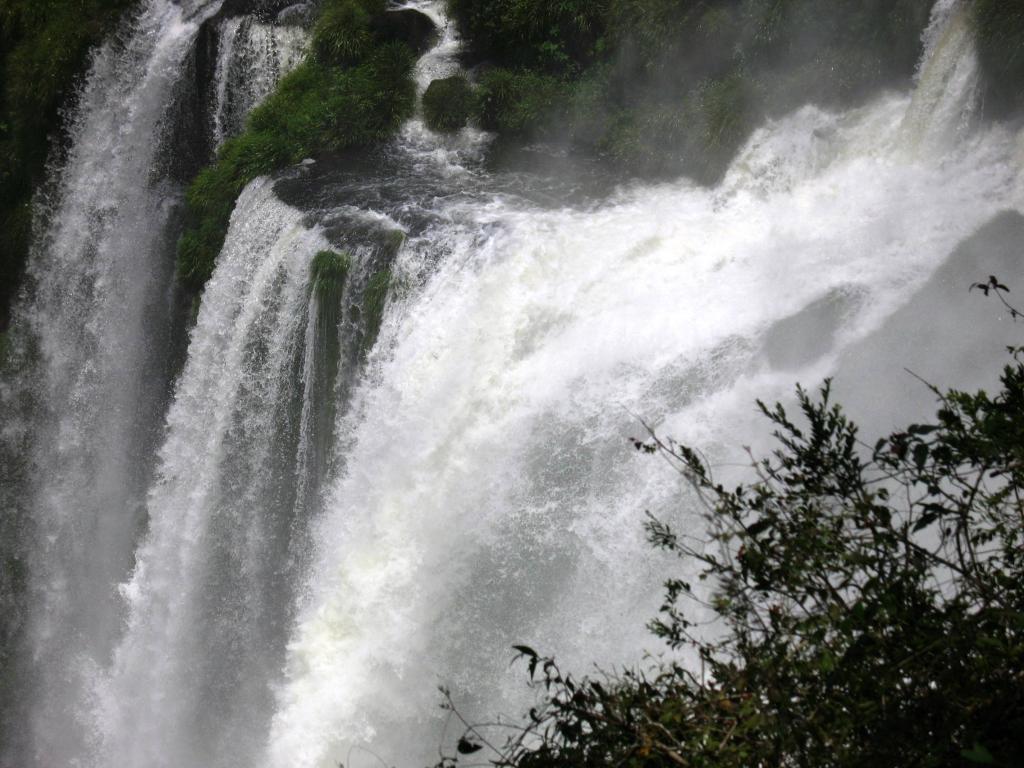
{"x": 490, "y": 496}
{"x": 91, "y": 338}
{"x": 480, "y": 489}
{"x": 82, "y": 403}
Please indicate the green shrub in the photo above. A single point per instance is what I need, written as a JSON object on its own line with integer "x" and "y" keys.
{"x": 554, "y": 37}
{"x": 448, "y": 104}
{"x": 631, "y": 79}
{"x": 520, "y": 102}
{"x": 728, "y": 113}
{"x": 342, "y": 32}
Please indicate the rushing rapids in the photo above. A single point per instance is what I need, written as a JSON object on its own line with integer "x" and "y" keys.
{"x": 336, "y": 510}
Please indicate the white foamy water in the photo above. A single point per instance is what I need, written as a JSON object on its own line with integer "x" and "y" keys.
{"x": 252, "y": 58}
{"x": 490, "y": 496}
{"x": 482, "y": 491}
{"x": 95, "y": 327}
{"x": 205, "y": 602}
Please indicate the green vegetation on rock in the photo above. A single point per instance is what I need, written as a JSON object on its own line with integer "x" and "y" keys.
{"x": 520, "y": 102}
{"x": 663, "y": 87}
{"x": 329, "y": 271}
{"x": 375, "y": 296}
{"x": 355, "y": 90}
{"x": 44, "y": 47}
{"x": 448, "y": 104}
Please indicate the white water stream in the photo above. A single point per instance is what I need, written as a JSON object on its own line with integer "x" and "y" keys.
{"x": 490, "y": 496}
{"x": 483, "y": 490}
{"x": 252, "y": 58}
{"x": 96, "y": 327}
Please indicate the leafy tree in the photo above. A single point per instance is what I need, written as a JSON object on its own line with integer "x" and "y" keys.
{"x": 869, "y": 604}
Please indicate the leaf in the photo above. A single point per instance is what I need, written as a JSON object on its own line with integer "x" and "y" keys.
{"x": 525, "y": 650}
{"x": 978, "y": 754}
{"x": 920, "y": 455}
{"x": 759, "y": 527}
{"x": 926, "y": 519}
{"x": 467, "y": 747}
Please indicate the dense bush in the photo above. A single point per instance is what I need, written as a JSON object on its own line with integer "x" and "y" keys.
{"x": 676, "y": 86}
{"x": 869, "y": 604}
{"x": 448, "y": 104}
{"x": 520, "y": 102}
{"x": 342, "y": 97}
{"x": 44, "y": 45}
{"x": 551, "y": 36}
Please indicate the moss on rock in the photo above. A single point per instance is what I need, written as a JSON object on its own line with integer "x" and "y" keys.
{"x": 375, "y": 297}
{"x": 328, "y": 272}
{"x": 448, "y": 104}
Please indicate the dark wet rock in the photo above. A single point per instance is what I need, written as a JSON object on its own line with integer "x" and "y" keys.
{"x": 190, "y": 141}
{"x": 265, "y": 10}
{"x": 297, "y": 15}
{"x": 408, "y": 26}
{"x": 800, "y": 339}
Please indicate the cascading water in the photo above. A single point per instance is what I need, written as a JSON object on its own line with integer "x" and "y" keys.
{"x": 252, "y": 58}
{"x": 93, "y": 348}
{"x": 489, "y": 496}
{"x": 209, "y": 580}
{"x": 94, "y": 334}
{"x": 356, "y": 501}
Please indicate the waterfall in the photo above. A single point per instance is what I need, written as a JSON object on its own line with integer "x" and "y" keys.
{"x": 252, "y": 57}
{"x": 375, "y": 476}
{"x": 93, "y": 348}
{"x": 93, "y": 337}
{"x": 209, "y": 578}
{"x": 489, "y": 496}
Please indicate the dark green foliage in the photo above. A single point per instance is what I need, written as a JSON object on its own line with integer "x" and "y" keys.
{"x": 551, "y": 36}
{"x": 1000, "y": 28}
{"x": 323, "y": 106}
{"x": 44, "y": 46}
{"x": 448, "y": 104}
{"x": 520, "y": 102}
{"x": 671, "y": 86}
{"x": 869, "y": 603}
{"x": 342, "y": 34}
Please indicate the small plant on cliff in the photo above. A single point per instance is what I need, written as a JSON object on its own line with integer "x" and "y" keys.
{"x": 868, "y": 604}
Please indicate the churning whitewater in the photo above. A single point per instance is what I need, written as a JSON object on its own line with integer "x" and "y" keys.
{"x": 313, "y": 548}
